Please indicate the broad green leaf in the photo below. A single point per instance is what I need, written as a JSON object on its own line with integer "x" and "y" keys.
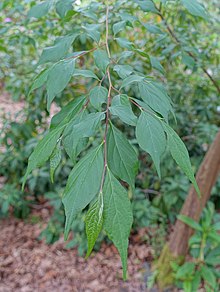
{"x": 147, "y": 6}
{"x": 156, "y": 97}
{"x": 85, "y": 73}
{"x": 55, "y": 159}
{"x": 98, "y": 95}
{"x": 67, "y": 112}
{"x": 117, "y": 216}
{"x": 180, "y": 154}
{"x": 121, "y": 108}
{"x": 94, "y": 222}
{"x": 196, "y": 281}
{"x": 124, "y": 43}
{"x": 64, "y": 70}
{"x": 209, "y": 276}
{"x": 83, "y": 185}
{"x": 122, "y": 158}
{"x": 43, "y": 151}
{"x": 39, "y": 10}
{"x": 58, "y": 51}
{"x": 119, "y": 26}
{"x": 93, "y": 31}
{"x": 123, "y": 71}
{"x": 185, "y": 270}
{"x": 131, "y": 79}
{"x": 189, "y": 221}
{"x": 195, "y": 8}
{"x": 82, "y": 127}
{"x": 155, "y": 63}
{"x": 62, "y": 7}
{"x": 40, "y": 80}
{"x": 101, "y": 60}
{"x": 152, "y": 28}
{"x": 151, "y": 137}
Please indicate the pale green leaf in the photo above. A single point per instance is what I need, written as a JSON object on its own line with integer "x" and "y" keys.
{"x": 147, "y": 6}
{"x": 123, "y": 71}
{"x": 63, "y": 70}
{"x": 40, "y": 80}
{"x": 119, "y": 26}
{"x": 151, "y": 137}
{"x": 94, "y": 222}
{"x": 101, "y": 60}
{"x": 117, "y": 216}
{"x": 55, "y": 159}
{"x": 62, "y": 7}
{"x": 195, "y": 8}
{"x": 131, "y": 79}
{"x": 39, "y": 10}
{"x": 92, "y": 31}
{"x": 83, "y": 185}
{"x": 124, "y": 43}
{"x": 180, "y": 154}
{"x": 98, "y": 95}
{"x": 189, "y": 221}
{"x": 155, "y": 63}
{"x": 85, "y": 73}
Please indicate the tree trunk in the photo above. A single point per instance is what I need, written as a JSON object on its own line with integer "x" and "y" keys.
{"x": 177, "y": 247}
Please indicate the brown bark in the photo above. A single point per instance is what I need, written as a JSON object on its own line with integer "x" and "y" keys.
{"x": 177, "y": 247}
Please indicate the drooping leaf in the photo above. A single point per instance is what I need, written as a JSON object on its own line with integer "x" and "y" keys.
{"x": 123, "y": 71}
{"x": 119, "y": 26}
{"x": 67, "y": 112}
{"x": 209, "y": 276}
{"x": 43, "y": 151}
{"x": 58, "y": 78}
{"x": 55, "y": 159}
{"x": 189, "y": 221}
{"x": 156, "y": 64}
{"x": 151, "y": 137}
{"x": 85, "y": 73}
{"x": 180, "y": 154}
{"x": 195, "y": 8}
{"x": 156, "y": 97}
{"x": 152, "y": 28}
{"x": 92, "y": 31}
{"x": 124, "y": 43}
{"x": 117, "y": 216}
{"x": 62, "y": 7}
{"x": 83, "y": 185}
{"x": 40, "y": 80}
{"x": 122, "y": 158}
{"x": 101, "y": 60}
{"x": 147, "y": 6}
{"x": 98, "y": 95}
{"x": 39, "y": 10}
{"x": 94, "y": 222}
{"x": 121, "y": 108}
{"x": 58, "y": 51}
{"x": 131, "y": 79}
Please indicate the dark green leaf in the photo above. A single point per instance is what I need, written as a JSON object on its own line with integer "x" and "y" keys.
{"x": 98, "y": 95}
{"x": 208, "y": 276}
{"x": 101, "y": 60}
{"x": 123, "y": 70}
{"x": 131, "y": 79}
{"x": 85, "y": 73}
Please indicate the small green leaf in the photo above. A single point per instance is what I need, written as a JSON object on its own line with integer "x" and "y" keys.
{"x": 180, "y": 154}
{"x": 55, "y": 159}
{"x": 117, "y": 216}
{"x": 151, "y": 137}
{"x": 122, "y": 158}
{"x": 189, "y": 221}
{"x": 195, "y": 8}
{"x": 98, "y": 95}
{"x": 147, "y": 6}
{"x": 123, "y": 71}
{"x": 93, "y": 31}
{"x": 124, "y": 43}
{"x": 185, "y": 271}
{"x": 39, "y": 10}
{"x": 131, "y": 79}
{"x": 56, "y": 85}
{"x": 208, "y": 276}
{"x": 62, "y": 7}
{"x": 156, "y": 64}
{"x": 119, "y": 26}
{"x": 94, "y": 222}
{"x": 83, "y": 185}
{"x": 40, "y": 80}
{"x": 101, "y": 60}
{"x": 85, "y": 73}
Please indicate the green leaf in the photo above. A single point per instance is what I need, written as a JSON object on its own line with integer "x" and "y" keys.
{"x": 40, "y": 80}
{"x": 151, "y": 137}
{"x": 189, "y": 221}
{"x": 147, "y": 6}
{"x": 185, "y": 271}
{"x": 98, "y": 95}
{"x": 83, "y": 185}
{"x": 122, "y": 158}
{"x": 85, "y": 73}
{"x": 180, "y": 154}
{"x": 39, "y": 10}
{"x": 56, "y": 85}
{"x": 101, "y": 60}
{"x": 117, "y": 216}
{"x": 58, "y": 51}
{"x": 42, "y": 151}
{"x": 94, "y": 222}
{"x": 152, "y": 28}
{"x": 79, "y": 128}
{"x": 131, "y": 79}
{"x": 119, "y": 26}
{"x": 67, "y": 112}
{"x": 124, "y": 43}
{"x": 62, "y": 7}
{"x": 208, "y": 276}
{"x": 121, "y": 108}
{"x": 156, "y": 97}
{"x": 156, "y": 64}
{"x": 92, "y": 30}
{"x": 196, "y": 281}
{"x": 123, "y": 71}
{"x": 55, "y": 159}
{"x": 195, "y": 8}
